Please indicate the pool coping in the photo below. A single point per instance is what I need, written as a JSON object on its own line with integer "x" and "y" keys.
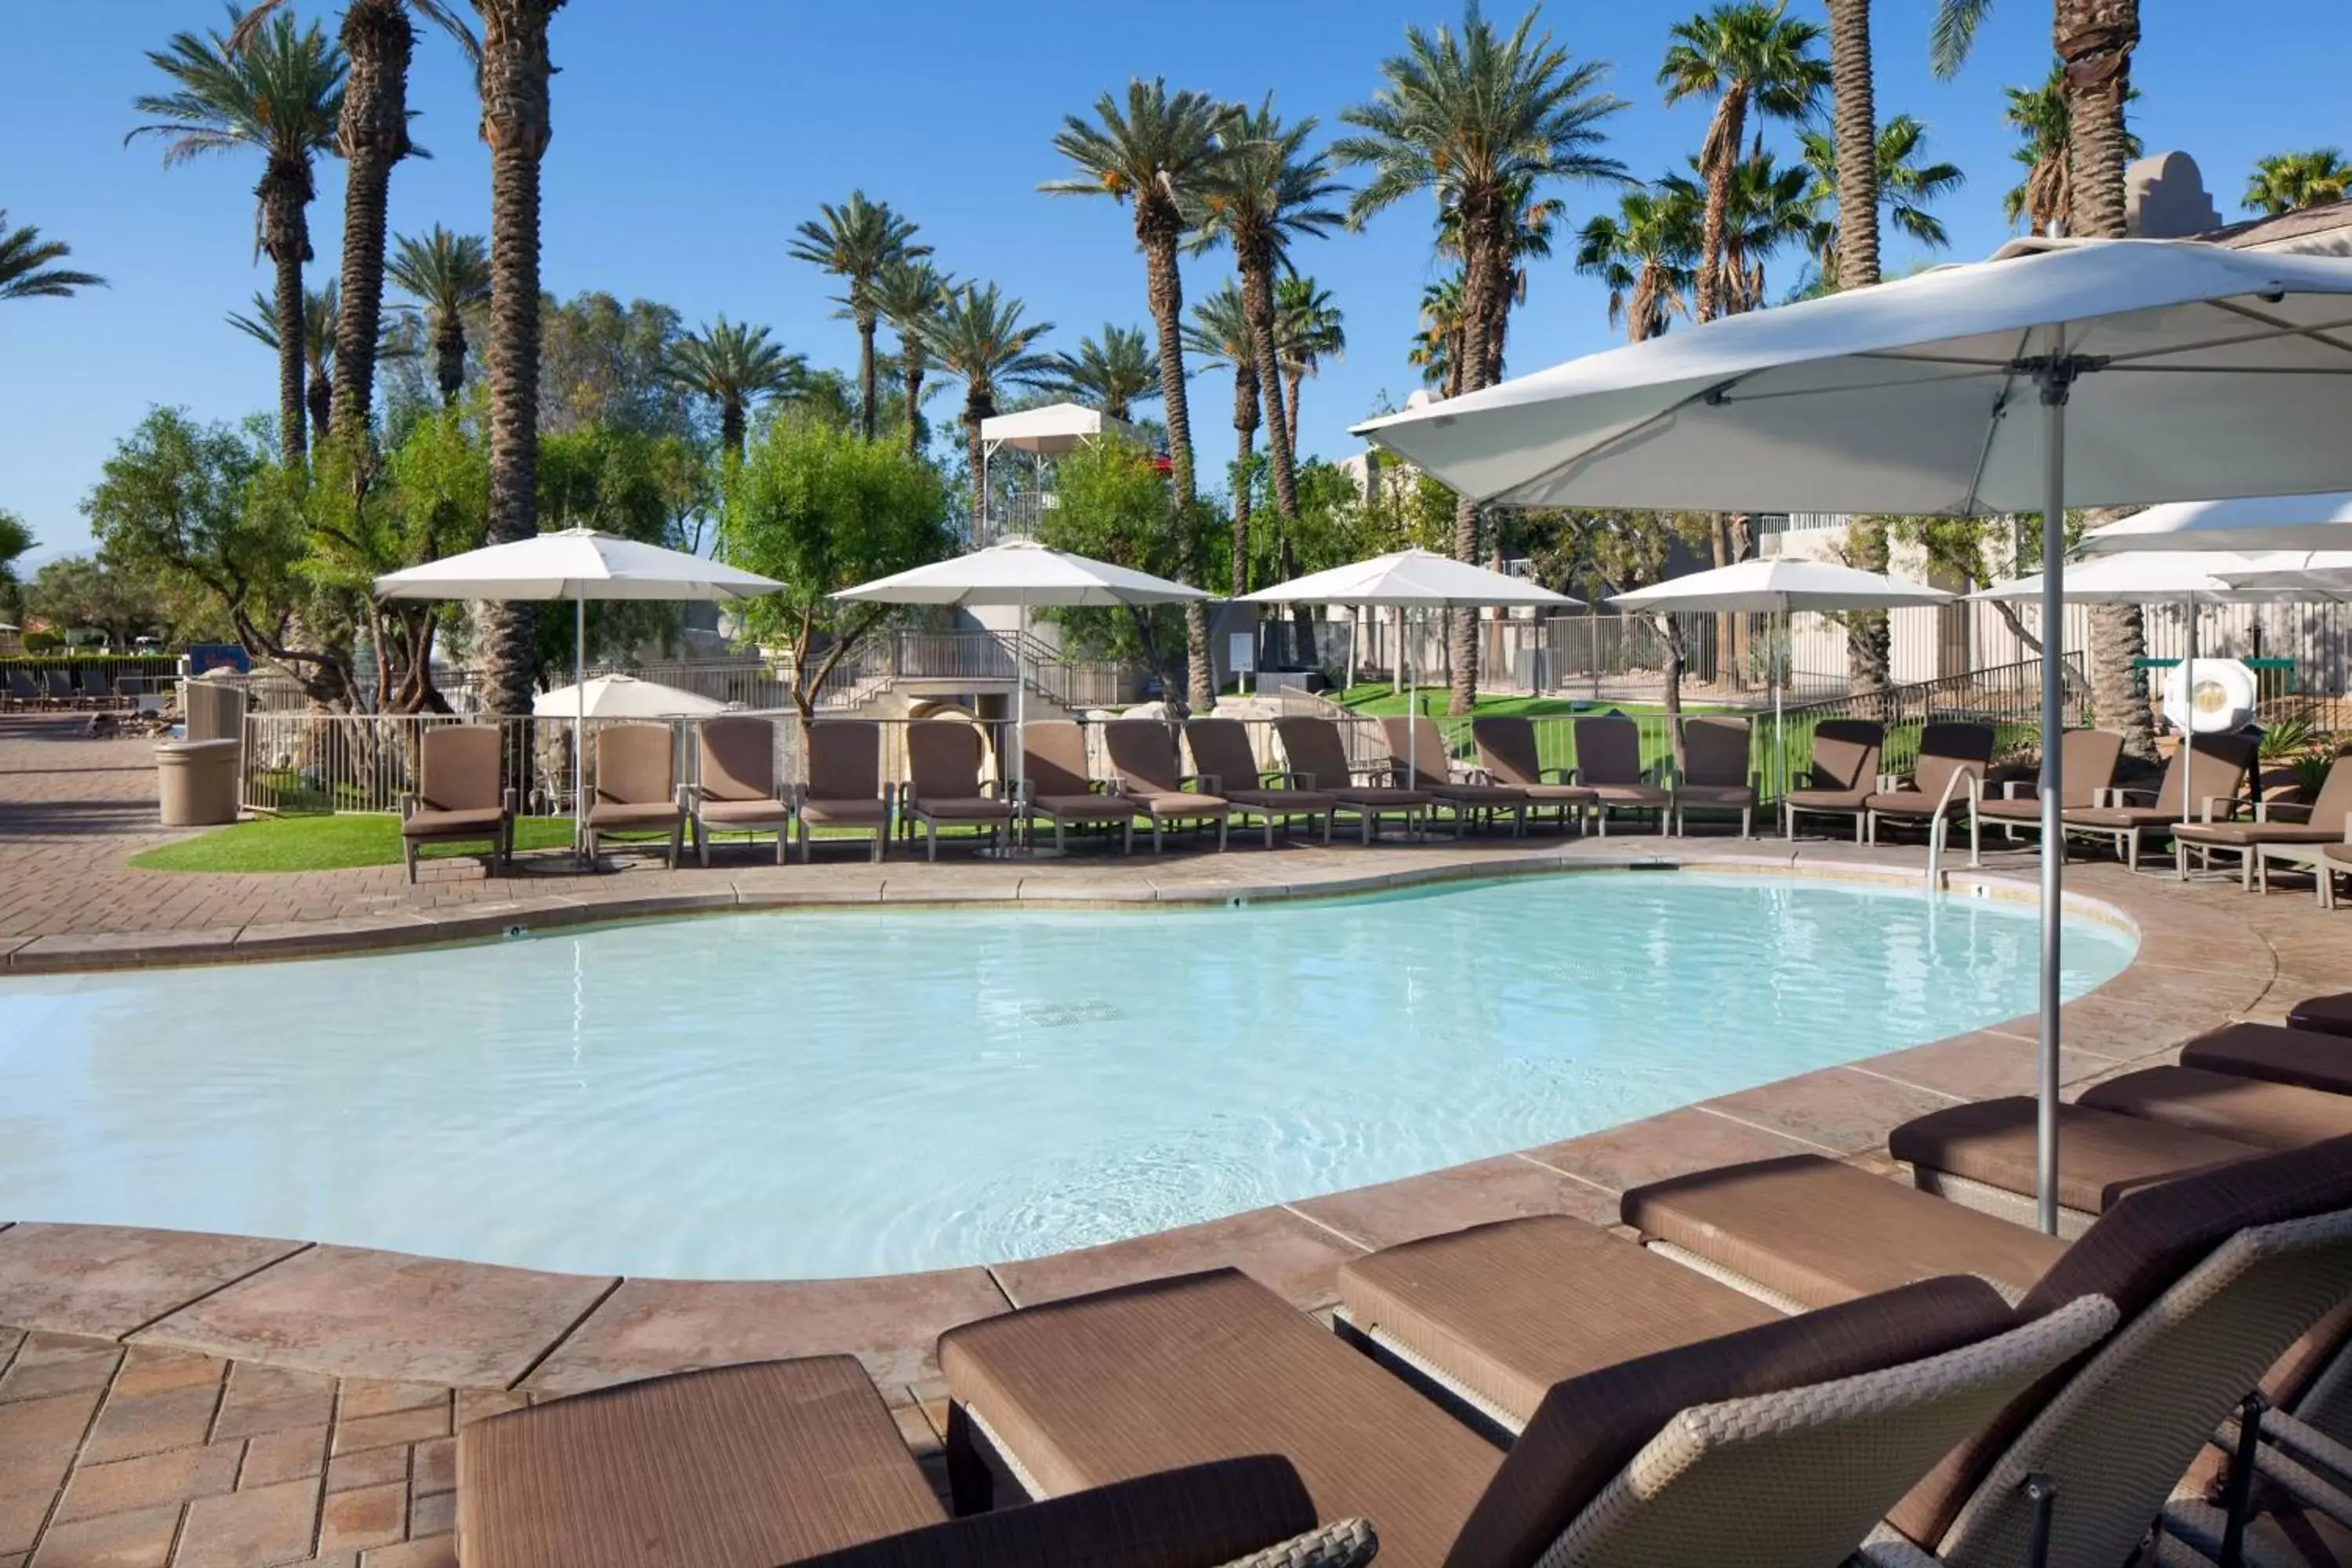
{"x": 362, "y": 1313}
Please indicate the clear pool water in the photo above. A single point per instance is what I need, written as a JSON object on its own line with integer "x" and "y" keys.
{"x": 834, "y": 1093}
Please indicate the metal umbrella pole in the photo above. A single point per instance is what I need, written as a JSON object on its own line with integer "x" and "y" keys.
{"x": 2055, "y": 383}
{"x": 2187, "y": 724}
{"x": 579, "y": 728}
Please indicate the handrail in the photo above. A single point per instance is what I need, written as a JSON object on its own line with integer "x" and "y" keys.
{"x": 1939, "y": 825}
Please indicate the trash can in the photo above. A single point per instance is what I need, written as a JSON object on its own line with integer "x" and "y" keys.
{"x": 197, "y": 782}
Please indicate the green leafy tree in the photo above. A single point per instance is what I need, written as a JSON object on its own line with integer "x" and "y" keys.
{"x": 76, "y": 593}
{"x": 980, "y": 339}
{"x": 1114, "y": 374}
{"x": 910, "y": 295}
{"x": 448, "y": 276}
{"x": 1647, "y": 256}
{"x": 2044, "y": 119}
{"x": 819, "y": 509}
{"x": 1437, "y": 348}
{"x": 281, "y": 95}
{"x": 1112, "y": 505}
{"x": 25, "y": 272}
{"x": 16, "y": 540}
{"x": 857, "y": 242}
{"x": 606, "y": 363}
{"x": 2289, "y": 181}
{"x": 318, "y": 315}
{"x": 1907, "y": 187}
{"x": 733, "y": 365}
{"x": 1479, "y": 121}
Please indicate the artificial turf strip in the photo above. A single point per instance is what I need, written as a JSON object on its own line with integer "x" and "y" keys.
{"x": 336, "y": 842}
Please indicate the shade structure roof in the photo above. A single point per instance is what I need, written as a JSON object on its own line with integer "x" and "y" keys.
{"x": 2155, "y": 577}
{"x": 1056, "y": 428}
{"x": 2199, "y": 372}
{"x": 1782, "y": 583}
{"x": 1407, "y": 578}
{"x": 574, "y": 564}
{"x": 2322, "y": 522}
{"x": 1021, "y": 572}
{"x": 620, "y": 696}
{"x": 2288, "y": 573}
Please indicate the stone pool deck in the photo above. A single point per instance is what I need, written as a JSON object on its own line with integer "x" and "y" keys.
{"x": 168, "y": 1398}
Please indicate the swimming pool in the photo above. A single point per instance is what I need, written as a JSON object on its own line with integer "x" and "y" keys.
{"x": 836, "y": 1093}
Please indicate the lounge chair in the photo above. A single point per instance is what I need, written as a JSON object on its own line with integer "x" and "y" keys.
{"x": 2227, "y": 1105}
{"x": 2223, "y": 766}
{"x": 845, "y": 789}
{"x": 1717, "y": 773}
{"x": 2290, "y": 1054}
{"x": 944, "y": 789}
{"x": 23, "y": 692}
{"x": 1842, "y": 777}
{"x": 1151, "y": 779}
{"x": 2087, "y": 760}
{"x": 637, "y": 788}
{"x": 2327, "y": 1014}
{"x": 60, "y": 689}
{"x": 1222, "y": 758}
{"x": 1508, "y": 750}
{"x": 95, "y": 690}
{"x": 1780, "y": 1444}
{"x": 2276, "y": 825}
{"x": 1056, "y": 785}
{"x": 1417, "y": 751}
{"x": 780, "y": 1462}
{"x": 1608, "y": 764}
{"x": 736, "y": 789}
{"x": 1319, "y": 760}
{"x": 1946, "y": 782}
{"x": 457, "y": 795}
{"x": 2223, "y": 1278}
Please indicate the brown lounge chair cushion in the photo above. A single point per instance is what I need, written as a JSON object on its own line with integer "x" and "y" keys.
{"x": 2329, "y": 1015}
{"x": 1508, "y": 1309}
{"x": 2298, "y": 1055}
{"x": 1820, "y": 1232}
{"x": 739, "y": 1467}
{"x": 2271, "y": 1115}
{"x": 483, "y": 824}
{"x": 1282, "y": 802}
{"x": 1913, "y": 803}
{"x": 845, "y": 813}
{"x": 972, "y": 808}
{"x": 1176, "y": 803}
{"x": 2106, "y": 1156}
{"x": 1827, "y": 799}
{"x": 1631, "y": 795}
{"x": 1480, "y": 794}
{"x": 1379, "y": 799}
{"x": 2123, "y": 816}
{"x": 2245, "y": 835}
{"x": 1714, "y": 794}
{"x": 613, "y": 816}
{"x": 2027, "y": 810}
{"x": 1086, "y": 808}
{"x": 728, "y": 813}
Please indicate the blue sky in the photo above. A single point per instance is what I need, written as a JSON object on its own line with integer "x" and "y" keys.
{"x": 691, "y": 135}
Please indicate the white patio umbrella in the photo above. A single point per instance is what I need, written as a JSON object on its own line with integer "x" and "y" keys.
{"x": 2164, "y": 371}
{"x": 1780, "y": 585}
{"x": 619, "y": 695}
{"x": 1407, "y": 580}
{"x": 578, "y": 565}
{"x": 1023, "y": 572}
{"x": 2243, "y": 523}
{"x": 2293, "y": 574}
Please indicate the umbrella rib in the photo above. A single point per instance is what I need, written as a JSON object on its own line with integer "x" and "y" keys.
{"x": 1999, "y": 412}
{"x": 2316, "y": 333}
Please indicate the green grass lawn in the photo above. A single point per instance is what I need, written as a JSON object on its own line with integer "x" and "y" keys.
{"x": 324, "y": 844}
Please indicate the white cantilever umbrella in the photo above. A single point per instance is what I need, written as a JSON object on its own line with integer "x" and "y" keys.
{"x": 1778, "y": 586}
{"x": 618, "y": 696}
{"x": 578, "y": 565}
{"x": 1406, "y": 580}
{"x": 2240, "y": 524}
{"x": 2061, "y": 372}
{"x": 1023, "y": 572}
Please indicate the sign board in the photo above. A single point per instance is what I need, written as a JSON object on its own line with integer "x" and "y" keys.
{"x": 1241, "y": 652}
{"x": 205, "y": 656}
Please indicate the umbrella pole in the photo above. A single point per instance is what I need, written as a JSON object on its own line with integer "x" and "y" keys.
{"x": 1412, "y": 740}
{"x": 579, "y": 728}
{"x": 1780, "y": 735}
{"x": 1020, "y": 709}
{"x": 2053, "y": 841}
{"x": 2186, "y": 723}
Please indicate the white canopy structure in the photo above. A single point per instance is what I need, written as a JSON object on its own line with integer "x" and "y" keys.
{"x": 621, "y": 696}
{"x": 2061, "y": 372}
{"x": 578, "y": 565}
{"x": 1778, "y": 586}
{"x": 2246, "y": 523}
{"x": 1050, "y": 431}
{"x": 2321, "y": 574}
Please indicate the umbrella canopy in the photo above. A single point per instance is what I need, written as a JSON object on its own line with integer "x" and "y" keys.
{"x": 623, "y": 697}
{"x": 1054, "y": 429}
{"x": 2306, "y": 574}
{"x": 574, "y": 564}
{"x": 2157, "y": 577}
{"x": 1021, "y": 572}
{"x": 2243, "y": 523}
{"x": 1917, "y": 395}
{"x": 1410, "y": 578}
{"x": 1782, "y": 583}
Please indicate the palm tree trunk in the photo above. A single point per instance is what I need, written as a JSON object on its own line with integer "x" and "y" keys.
{"x": 284, "y": 192}
{"x": 1483, "y": 272}
{"x": 1855, "y": 125}
{"x": 975, "y": 409}
{"x": 914, "y": 401}
{"x": 1246, "y": 440}
{"x": 866, "y": 322}
{"x": 321, "y": 398}
{"x": 1292, "y": 380}
{"x": 730, "y": 428}
{"x": 1159, "y": 231}
{"x": 449, "y": 357}
{"x": 1723, "y": 141}
{"x": 515, "y": 70}
{"x": 377, "y": 40}
{"x": 1257, "y": 305}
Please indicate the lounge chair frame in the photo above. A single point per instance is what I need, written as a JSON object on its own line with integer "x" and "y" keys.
{"x": 914, "y": 808}
{"x": 701, "y": 796}
{"x": 1347, "y": 793}
{"x": 412, "y": 802}
{"x": 1868, "y": 738}
{"x": 1646, "y": 782}
{"x": 1507, "y": 754}
{"x": 1146, "y": 792}
{"x": 1752, "y": 782}
{"x": 1441, "y": 785}
{"x": 619, "y": 739}
{"x": 1033, "y": 803}
{"x": 1266, "y": 783}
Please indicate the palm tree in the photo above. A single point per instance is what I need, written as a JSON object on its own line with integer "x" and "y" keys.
{"x": 371, "y": 136}
{"x": 281, "y": 94}
{"x": 731, "y": 365}
{"x": 1530, "y": 229}
{"x": 1267, "y": 191}
{"x": 1771, "y": 207}
{"x": 855, "y": 241}
{"x": 1853, "y": 120}
{"x": 1114, "y": 375}
{"x": 320, "y": 310}
{"x": 1437, "y": 347}
{"x": 1308, "y": 329}
{"x": 2041, "y": 116}
{"x": 911, "y": 294}
{"x": 1477, "y": 121}
{"x": 448, "y": 275}
{"x": 25, "y": 270}
{"x": 1906, "y": 187}
{"x": 1647, "y": 256}
{"x": 979, "y": 337}
{"x": 1749, "y": 56}
{"x": 515, "y": 122}
{"x": 2288, "y": 182}
{"x": 1156, "y": 152}
{"x": 1220, "y": 333}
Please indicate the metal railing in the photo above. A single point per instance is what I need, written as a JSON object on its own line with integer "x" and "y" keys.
{"x": 2007, "y": 697}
